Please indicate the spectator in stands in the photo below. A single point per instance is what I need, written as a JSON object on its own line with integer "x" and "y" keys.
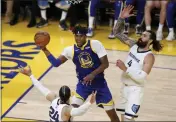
{"x": 139, "y": 18}
{"x": 61, "y": 4}
{"x": 43, "y": 5}
{"x": 171, "y": 11}
{"x": 92, "y": 13}
{"x": 140, "y": 15}
{"x": 118, "y": 5}
{"x": 9, "y": 7}
{"x": 16, "y": 11}
{"x": 150, "y": 4}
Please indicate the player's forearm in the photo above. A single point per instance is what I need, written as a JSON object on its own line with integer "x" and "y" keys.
{"x": 119, "y": 27}
{"x": 118, "y": 32}
{"x": 55, "y": 62}
{"x": 45, "y": 91}
{"x": 139, "y": 76}
{"x": 46, "y": 51}
{"x": 100, "y": 69}
{"x": 80, "y": 110}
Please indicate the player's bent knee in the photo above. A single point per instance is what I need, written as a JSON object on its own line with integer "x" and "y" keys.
{"x": 148, "y": 8}
{"x": 149, "y": 5}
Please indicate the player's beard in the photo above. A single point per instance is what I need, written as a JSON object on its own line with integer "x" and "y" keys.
{"x": 141, "y": 44}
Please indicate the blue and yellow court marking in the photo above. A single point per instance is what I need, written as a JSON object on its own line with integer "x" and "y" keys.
{"x": 18, "y": 48}
{"x": 19, "y": 119}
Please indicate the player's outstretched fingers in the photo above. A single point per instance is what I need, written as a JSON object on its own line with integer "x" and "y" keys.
{"x": 21, "y": 69}
{"x": 92, "y": 98}
{"x": 29, "y": 68}
{"x": 21, "y": 66}
{"x": 94, "y": 93}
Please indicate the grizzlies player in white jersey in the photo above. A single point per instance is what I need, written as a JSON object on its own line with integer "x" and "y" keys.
{"x": 60, "y": 109}
{"x": 135, "y": 69}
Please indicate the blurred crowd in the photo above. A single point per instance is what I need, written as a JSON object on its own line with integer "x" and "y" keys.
{"x": 94, "y": 11}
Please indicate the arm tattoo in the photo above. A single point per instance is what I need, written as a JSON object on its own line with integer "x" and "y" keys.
{"x": 118, "y": 32}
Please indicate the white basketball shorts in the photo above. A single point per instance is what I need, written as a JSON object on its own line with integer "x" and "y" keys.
{"x": 130, "y": 101}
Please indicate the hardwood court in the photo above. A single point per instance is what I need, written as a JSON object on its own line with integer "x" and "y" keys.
{"x": 159, "y": 98}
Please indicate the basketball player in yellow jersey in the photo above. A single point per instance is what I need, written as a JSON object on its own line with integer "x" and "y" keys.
{"x": 135, "y": 69}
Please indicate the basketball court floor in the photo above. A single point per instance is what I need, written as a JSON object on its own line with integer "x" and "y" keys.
{"x": 21, "y": 101}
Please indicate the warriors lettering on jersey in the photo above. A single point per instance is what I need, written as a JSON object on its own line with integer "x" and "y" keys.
{"x": 134, "y": 57}
{"x": 85, "y": 60}
{"x": 134, "y": 60}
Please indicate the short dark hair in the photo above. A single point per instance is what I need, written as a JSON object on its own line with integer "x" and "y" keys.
{"x": 155, "y": 43}
{"x": 80, "y": 30}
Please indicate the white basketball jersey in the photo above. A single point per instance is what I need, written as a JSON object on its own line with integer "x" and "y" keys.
{"x": 135, "y": 60}
{"x": 55, "y": 112}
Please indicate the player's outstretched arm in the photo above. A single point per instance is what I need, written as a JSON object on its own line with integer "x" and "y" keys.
{"x": 50, "y": 96}
{"x": 55, "y": 62}
{"x": 119, "y": 27}
{"x": 70, "y": 111}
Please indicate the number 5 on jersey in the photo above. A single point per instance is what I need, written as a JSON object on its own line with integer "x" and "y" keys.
{"x": 129, "y": 63}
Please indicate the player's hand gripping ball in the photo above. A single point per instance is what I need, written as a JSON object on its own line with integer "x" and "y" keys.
{"x": 42, "y": 38}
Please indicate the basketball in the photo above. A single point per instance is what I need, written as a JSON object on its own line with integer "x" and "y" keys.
{"x": 42, "y": 38}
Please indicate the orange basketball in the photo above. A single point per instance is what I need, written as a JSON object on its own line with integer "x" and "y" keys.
{"x": 42, "y": 38}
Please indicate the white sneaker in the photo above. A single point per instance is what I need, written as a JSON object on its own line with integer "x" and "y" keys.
{"x": 111, "y": 35}
{"x": 90, "y": 32}
{"x": 170, "y": 37}
{"x": 159, "y": 35}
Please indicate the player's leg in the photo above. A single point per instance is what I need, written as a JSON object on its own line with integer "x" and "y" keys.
{"x": 81, "y": 94}
{"x": 33, "y": 9}
{"x": 9, "y": 10}
{"x": 92, "y": 14}
{"x": 140, "y": 15}
{"x": 159, "y": 34}
{"x": 121, "y": 102}
{"x": 127, "y": 24}
{"x": 104, "y": 100}
{"x": 43, "y": 5}
{"x": 73, "y": 16}
{"x": 118, "y": 8}
{"x": 135, "y": 95}
{"x": 16, "y": 12}
{"x": 62, "y": 22}
{"x": 171, "y": 9}
{"x": 64, "y": 6}
{"x": 148, "y": 7}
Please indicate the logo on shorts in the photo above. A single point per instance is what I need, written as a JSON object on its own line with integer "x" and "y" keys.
{"x": 135, "y": 108}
